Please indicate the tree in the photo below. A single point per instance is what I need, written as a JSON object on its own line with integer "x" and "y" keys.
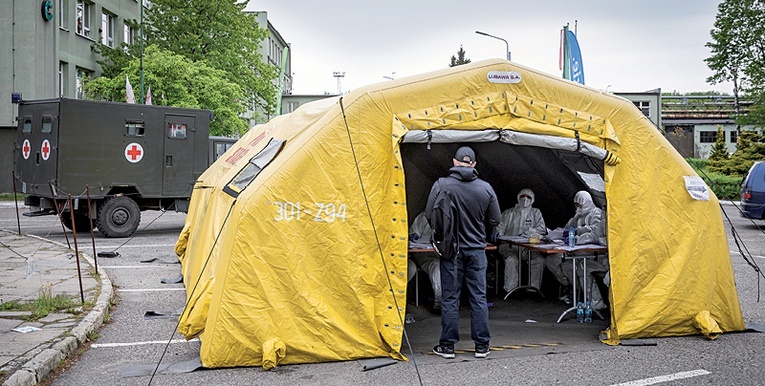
{"x": 219, "y": 34}
{"x": 719, "y": 156}
{"x": 212, "y": 35}
{"x": 750, "y": 148}
{"x": 738, "y": 55}
{"x": 460, "y": 59}
{"x": 181, "y": 82}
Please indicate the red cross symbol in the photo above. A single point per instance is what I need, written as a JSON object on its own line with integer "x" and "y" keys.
{"x": 134, "y": 152}
{"x": 25, "y": 149}
{"x": 45, "y": 149}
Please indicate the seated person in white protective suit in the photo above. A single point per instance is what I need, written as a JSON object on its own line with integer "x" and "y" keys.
{"x": 590, "y": 229}
{"x": 429, "y": 261}
{"x": 521, "y": 220}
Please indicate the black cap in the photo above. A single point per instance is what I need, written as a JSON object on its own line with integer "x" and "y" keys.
{"x": 465, "y": 154}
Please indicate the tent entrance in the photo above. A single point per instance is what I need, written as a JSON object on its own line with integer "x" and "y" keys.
{"x": 554, "y": 175}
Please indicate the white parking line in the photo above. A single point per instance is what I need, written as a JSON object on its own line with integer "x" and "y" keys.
{"x": 732, "y": 252}
{"x": 151, "y": 289}
{"x": 107, "y": 345}
{"x": 664, "y": 378}
{"x": 135, "y": 246}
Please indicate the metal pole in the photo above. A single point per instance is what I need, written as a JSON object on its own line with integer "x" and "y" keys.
{"x": 16, "y": 200}
{"x": 92, "y": 237}
{"x": 76, "y": 252}
{"x": 58, "y": 213}
{"x": 507, "y": 46}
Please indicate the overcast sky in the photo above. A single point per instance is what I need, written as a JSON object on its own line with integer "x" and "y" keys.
{"x": 631, "y": 46}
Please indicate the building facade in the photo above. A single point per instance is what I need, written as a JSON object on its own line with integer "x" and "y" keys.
{"x": 691, "y": 123}
{"x": 648, "y": 102}
{"x": 272, "y": 50}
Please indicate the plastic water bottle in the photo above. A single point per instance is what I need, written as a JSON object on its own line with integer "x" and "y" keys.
{"x": 588, "y": 313}
{"x": 580, "y": 312}
{"x": 571, "y": 237}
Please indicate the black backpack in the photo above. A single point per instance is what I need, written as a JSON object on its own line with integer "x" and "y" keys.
{"x": 445, "y": 221}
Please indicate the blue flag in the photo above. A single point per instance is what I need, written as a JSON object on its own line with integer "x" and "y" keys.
{"x": 573, "y": 59}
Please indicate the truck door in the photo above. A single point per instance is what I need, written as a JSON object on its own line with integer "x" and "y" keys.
{"x": 178, "y": 177}
{"x": 37, "y": 148}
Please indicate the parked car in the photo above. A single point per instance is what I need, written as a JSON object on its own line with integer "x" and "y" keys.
{"x": 753, "y": 192}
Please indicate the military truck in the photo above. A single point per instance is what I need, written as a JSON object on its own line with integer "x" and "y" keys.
{"x": 127, "y": 157}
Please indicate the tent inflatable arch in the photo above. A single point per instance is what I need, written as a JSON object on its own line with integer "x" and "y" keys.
{"x": 294, "y": 249}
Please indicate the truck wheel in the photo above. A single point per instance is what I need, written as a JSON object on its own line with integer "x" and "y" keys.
{"x": 81, "y": 221}
{"x": 118, "y": 217}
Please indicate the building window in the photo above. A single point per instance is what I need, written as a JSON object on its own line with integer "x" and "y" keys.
{"x": 107, "y": 29}
{"x": 82, "y": 74}
{"x": 62, "y": 69}
{"x": 292, "y": 106}
{"x": 734, "y": 136}
{"x": 644, "y": 107}
{"x": 63, "y": 20}
{"x": 707, "y": 136}
{"x": 128, "y": 34}
{"x": 83, "y": 17}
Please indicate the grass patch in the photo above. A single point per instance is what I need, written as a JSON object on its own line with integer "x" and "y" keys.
{"x": 45, "y": 304}
{"x": 9, "y": 196}
{"x": 13, "y": 305}
{"x": 92, "y": 335}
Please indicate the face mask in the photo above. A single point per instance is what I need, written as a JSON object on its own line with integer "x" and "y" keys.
{"x": 525, "y": 202}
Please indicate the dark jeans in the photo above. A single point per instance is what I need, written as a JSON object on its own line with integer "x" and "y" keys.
{"x": 471, "y": 265}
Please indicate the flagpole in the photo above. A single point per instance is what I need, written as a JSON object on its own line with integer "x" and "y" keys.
{"x": 141, "y": 45}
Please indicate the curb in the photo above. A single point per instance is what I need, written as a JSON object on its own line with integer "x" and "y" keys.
{"x": 11, "y": 204}
{"x": 42, "y": 363}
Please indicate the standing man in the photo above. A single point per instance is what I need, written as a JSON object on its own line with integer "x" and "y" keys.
{"x": 477, "y": 205}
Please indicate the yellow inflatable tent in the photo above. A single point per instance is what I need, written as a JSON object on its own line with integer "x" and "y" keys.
{"x": 295, "y": 245}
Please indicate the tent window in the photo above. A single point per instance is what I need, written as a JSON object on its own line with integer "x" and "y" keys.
{"x": 253, "y": 168}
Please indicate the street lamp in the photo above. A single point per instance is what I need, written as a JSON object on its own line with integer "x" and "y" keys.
{"x": 496, "y": 37}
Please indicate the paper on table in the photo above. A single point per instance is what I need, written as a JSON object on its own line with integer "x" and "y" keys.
{"x": 578, "y": 247}
{"x": 515, "y": 239}
{"x": 556, "y": 234}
